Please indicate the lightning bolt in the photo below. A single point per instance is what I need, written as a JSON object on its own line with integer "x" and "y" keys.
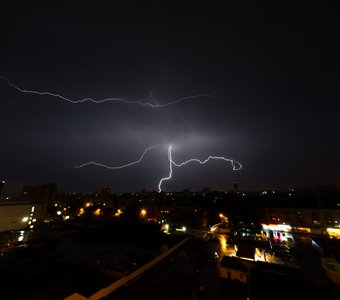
{"x": 235, "y": 164}
{"x": 153, "y": 104}
{"x": 170, "y": 168}
{"x": 117, "y": 167}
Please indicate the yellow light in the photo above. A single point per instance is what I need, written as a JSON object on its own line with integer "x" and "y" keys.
{"x": 97, "y": 212}
{"x": 223, "y": 242}
{"x": 143, "y": 213}
{"x": 333, "y": 232}
{"x": 223, "y": 218}
{"x": 58, "y": 212}
{"x": 88, "y": 204}
{"x": 165, "y": 228}
{"x": 81, "y": 212}
{"x": 306, "y": 229}
{"x": 24, "y": 219}
{"x": 118, "y": 213}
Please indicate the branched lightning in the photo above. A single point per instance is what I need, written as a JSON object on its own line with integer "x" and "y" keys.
{"x": 117, "y": 167}
{"x": 170, "y": 168}
{"x": 153, "y": 104}
{"x": 235, "y": 164}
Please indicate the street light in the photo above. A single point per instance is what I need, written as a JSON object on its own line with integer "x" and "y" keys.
{"x": 143, "y": 213}
{"x": 223, "y": 218}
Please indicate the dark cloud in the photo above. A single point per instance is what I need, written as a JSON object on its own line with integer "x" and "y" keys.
{"x": 265, "y": 66}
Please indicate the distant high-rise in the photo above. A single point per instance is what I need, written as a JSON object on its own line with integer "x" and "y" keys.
{"x": 235, "y": 186}
{"x": 2, "y": 183}
{"x": 30, "y": 211}
{"x": 106, "y": 196}
{"x": 45, "y": 194}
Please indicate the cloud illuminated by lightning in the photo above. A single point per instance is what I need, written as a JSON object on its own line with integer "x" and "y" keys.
{"x": 235, "y": 164}
{"x": 153, "y": 104}
{"x": 117, "y": 167}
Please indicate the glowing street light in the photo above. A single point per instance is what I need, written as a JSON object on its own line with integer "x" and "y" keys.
{"x": 165, "y": 228}
{"x": 97, "y": 212}
{"x": 223, "y": 243}
{"x": 223, "y": 218}
{"x": 118, "y": 213}
{"x": 143, "y": 213}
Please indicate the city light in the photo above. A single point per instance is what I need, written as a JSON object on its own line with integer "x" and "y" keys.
{"x": 165, "y": 228}
{"x": 97, "y": 212}
{"x": 224, "y": 219}
{"x": 143, "y": 213}
{"x": 333, "y": 232}
{"x": 278, "y": 227}
{"x": 223, "y": 242}
{"x": 118, "y": 213}
{"x": 24, "y": 219}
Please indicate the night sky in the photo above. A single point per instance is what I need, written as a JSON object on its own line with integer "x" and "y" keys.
{"x": 271, "y": 70}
